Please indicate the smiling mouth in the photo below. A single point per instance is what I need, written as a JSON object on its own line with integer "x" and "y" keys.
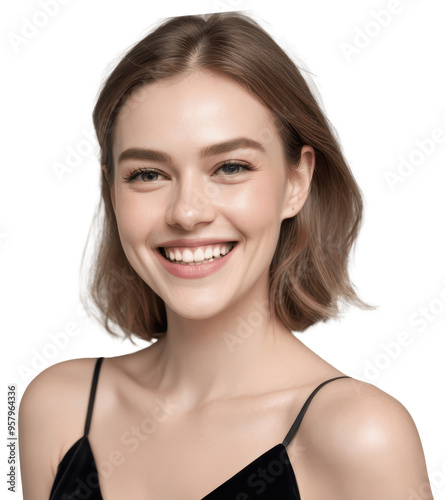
{"x": 232, "y": 245}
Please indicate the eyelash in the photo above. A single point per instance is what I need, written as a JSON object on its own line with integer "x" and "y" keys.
{"x": 138, "y": 171}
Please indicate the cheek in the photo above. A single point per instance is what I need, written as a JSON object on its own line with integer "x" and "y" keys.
{"x": 256, "y": 207}
{"x": 135, "y": 216}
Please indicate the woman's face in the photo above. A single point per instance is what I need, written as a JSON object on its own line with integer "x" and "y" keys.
{"x": 192, "y": 189}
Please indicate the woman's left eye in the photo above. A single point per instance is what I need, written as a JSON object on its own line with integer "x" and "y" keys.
{"x": 232, "y": 167}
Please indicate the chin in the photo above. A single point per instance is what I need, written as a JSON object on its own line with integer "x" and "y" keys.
{"x": 196, "y": 309}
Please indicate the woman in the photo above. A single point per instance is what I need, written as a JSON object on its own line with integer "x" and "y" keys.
{"x": 229, "y": 216}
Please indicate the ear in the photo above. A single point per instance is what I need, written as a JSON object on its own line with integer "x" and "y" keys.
{"x": 112, "y": 193}
{"x": 299, "y": 183}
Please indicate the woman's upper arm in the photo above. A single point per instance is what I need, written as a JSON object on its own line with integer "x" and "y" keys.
{"x": 36, "y": 439}
{"x": 51, "y": 418}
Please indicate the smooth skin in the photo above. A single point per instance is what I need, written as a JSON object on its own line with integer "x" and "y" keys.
{"x": 180, "y": 417}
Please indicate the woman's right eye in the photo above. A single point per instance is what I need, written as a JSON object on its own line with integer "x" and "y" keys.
{"x": 140, "y": 172}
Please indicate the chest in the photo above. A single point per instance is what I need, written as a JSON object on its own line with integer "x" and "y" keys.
{"x": 222, "y": 474}
{"x": 188, "y": 457}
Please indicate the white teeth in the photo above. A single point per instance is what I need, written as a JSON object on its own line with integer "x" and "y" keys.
{"x": 199, "y": 255}
{"x": 187, "y": 256}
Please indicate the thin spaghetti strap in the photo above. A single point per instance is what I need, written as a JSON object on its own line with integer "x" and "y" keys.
{"x": 300, "y": 416}
{"x": 92, "y": 395}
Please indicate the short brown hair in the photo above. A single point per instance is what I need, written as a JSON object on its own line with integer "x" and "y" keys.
{"x": 308, "y": 274}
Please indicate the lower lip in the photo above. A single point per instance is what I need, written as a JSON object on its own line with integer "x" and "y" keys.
{"x": 195, "y": 271}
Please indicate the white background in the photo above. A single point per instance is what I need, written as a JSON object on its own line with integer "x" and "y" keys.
{"x": 381, "y": 79}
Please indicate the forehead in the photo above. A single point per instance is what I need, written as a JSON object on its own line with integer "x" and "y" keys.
{"x": 189, "y": 112}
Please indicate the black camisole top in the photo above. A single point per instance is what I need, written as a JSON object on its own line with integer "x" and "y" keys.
{"x": 268, "y": 477}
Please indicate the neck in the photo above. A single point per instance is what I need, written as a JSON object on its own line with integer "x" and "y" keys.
{"x": 237, "y": 352}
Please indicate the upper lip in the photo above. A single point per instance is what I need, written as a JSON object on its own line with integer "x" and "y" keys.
{"x": 194, "y": 242}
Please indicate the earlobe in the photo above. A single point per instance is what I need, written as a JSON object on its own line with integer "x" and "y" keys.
{"x": 299, "y": 183}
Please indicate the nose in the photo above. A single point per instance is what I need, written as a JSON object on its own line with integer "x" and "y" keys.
{"x": 191, "y": 203}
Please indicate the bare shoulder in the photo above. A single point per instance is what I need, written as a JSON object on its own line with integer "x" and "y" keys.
{"x": 52, "y": 414}
{"x": 364, "y": 443}
{"x": 58, "y": 388}
{"x": 353, "y": 406}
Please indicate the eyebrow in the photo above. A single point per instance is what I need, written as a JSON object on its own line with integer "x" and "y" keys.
{"x": 213, "y": 150}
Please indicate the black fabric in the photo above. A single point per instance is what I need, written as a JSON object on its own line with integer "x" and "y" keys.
{"x": 268, "y": 477}
{"x": 77, "y": 476}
